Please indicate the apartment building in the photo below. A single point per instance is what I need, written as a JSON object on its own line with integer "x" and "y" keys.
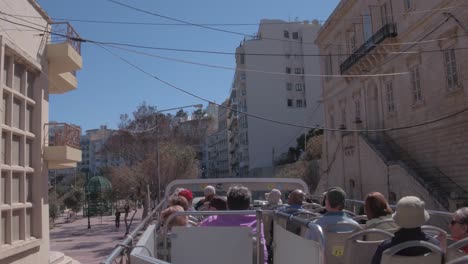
{"x": 218, "y": 158}
{"x": 277, "y": 86}
{"x": 420, "y": 64}
{"x": 32, "y": 67}
{"x": 94, "y": 157}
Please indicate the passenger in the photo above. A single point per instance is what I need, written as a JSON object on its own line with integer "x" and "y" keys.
{"x": 334, "y": 204}
{"x": 295, "y": 200}
{"x": 459, "y": 226}
{"x": 378, "y": 212}
{"x": 187, "y": 194}
{"x": 179, "y": 200}
{"x": 218, "y": 203}
{"x": 274, "y": 197}
{"x": 410, "y": 216}
{"x": 180, "y": 220}
{"x": 209, "y": 193}
{"x": 238, "y": 198}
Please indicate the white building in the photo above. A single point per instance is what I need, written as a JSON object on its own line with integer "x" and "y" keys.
{"x": 274, "y": 86}
{"x": 31, "y": 68}
{"x": 218, "y": 156}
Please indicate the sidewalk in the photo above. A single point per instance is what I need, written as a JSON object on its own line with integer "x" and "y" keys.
{"x": 89, "y": 246}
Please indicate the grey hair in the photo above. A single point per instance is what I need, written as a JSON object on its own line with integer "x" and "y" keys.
{"x": 462, "y": 215}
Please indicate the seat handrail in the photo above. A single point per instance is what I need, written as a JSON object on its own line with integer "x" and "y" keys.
{"x": 459, "y": 244}
{"x": 460, "y": 260}
{"x": 360, "y": 217}
{"x": 304, "y": 222}
{"x": 414, "y": 243}
{"x": 369, "y": 231}
{"x": 355, "y": 226}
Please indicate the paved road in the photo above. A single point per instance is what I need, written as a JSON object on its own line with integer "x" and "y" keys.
{"x": 88, "y": 246}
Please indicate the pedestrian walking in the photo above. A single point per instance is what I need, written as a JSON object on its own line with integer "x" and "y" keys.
{"x": 117, "y": 219}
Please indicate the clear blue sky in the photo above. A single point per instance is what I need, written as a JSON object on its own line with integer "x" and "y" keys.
{"x": 108, "y": 87}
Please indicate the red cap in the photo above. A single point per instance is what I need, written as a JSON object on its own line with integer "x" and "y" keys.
{"x": 187, "y": 194}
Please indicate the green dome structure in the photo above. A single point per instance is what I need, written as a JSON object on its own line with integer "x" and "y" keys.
{"x": 98, "y": 190}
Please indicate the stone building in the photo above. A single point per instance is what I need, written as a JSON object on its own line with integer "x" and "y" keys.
{"x": 412, "y": 64}
{"x": 32, "y": 67}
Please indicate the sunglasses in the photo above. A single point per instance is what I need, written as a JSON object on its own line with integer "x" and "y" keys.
{"x": 456, "y": 222}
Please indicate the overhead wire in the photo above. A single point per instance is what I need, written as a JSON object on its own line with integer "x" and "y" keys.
{"x": 273, "y": 120}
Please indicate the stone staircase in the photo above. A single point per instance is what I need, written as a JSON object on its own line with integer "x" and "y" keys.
{"x": 60, "y": 258}
{"x": 441, "y": 187}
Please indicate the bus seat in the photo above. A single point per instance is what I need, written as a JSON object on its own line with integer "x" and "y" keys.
{"x": 359, "y": 249}
{"x": 390, "y": 256}
{"x": 454, "y": 252}
{"x": 335, "y": 242}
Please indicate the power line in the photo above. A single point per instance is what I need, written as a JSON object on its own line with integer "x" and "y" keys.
{"x": 272, "y": 120}
{"x": 232, "y": 53}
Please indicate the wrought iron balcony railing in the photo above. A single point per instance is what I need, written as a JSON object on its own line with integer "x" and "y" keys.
{"x": 61, "y": 134}
{"x": 387, "y": 31}
{"x": 65, "y": 33}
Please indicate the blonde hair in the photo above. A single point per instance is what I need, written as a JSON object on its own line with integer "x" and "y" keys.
{"x": 180, "y": 220}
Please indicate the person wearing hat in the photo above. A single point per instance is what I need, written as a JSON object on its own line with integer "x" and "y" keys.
{"x": 334, "y": 203}
{"x": 410, "y": 215}
{"x": 187, "y": 194}
{"x": 209, "y": 192}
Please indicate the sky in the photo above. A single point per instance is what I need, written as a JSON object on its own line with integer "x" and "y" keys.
{"x": 107, "y": 87}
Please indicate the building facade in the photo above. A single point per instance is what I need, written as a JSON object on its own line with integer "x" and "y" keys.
{"x": 32, "y": 67}
{"x": 218, "y": 158}
{"x": 278, "y": 86}
{"x": 94, "y": 159}
{"x": 413, "y": 72}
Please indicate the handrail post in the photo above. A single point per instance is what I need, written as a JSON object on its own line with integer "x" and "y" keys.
{"x": 259, "y": 216}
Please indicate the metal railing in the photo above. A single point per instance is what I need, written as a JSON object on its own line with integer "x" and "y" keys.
{"x": 65, "y": 33}
{"x": 387, "y": 31}
{"x": 122, "y": 249}
{"x": 62, "y": 134}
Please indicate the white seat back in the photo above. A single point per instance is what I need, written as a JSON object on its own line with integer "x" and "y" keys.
{"x": 390, "y": 256}
{"x": 290, "y": 248}
{"x": 335, "y": 242}
{"x": 438, "y": 234}
{"x": 454, "y": 252}
{"x": 211, "y": 245}
{"x": 461, "y": 260}
{"x": 358, "y": 249}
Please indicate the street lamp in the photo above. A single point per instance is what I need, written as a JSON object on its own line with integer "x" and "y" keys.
{"x": 199, "y": 106}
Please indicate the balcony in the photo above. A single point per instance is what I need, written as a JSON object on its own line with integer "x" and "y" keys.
{"x": 62, "y": 146}
{"x": 64, "y": 56}
{"x": 387, "y": 31}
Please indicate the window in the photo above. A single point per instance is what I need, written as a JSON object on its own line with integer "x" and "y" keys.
{"x": 288, "y": 70}
{"x": 451, "y": 69}
{"x": 298, "y": 70}
{"x": 15, "y": 225}
{"x": 289, "y": 86}
{"x": 28, "y": 156}
{"x": 4, "y": 109}
{"x": 328, "y": 66}
{"x": 16, "y": 113}
{"x": 408, "y": 4}
{"x": 29, "y": 118}
{"x": 295, "y": 35}
{"x": 19, "y": 70}
{"x": 15, "y": 188}
{"x": 242, "y": 58}
{"x": 299, "y": 86}
{"x": 286, "y": 34}
{"x": 15, "y": 150}
{"x": 4, "y": 149}
{"x": 343, "y": 116}
{"x": 6, "y": 71}
{"x": 357, "y": 108}
{"x": 243, "y": 92}
{"x": 298, "y": 103}
{"x": 3, "y": 188}
{"x": 242, "y": 76}
{"x": 390, "y": 97}
{"x": 28, "y": 185}
{"x": 28, "y": 231}
{"x": 416, "y": 85}
{"x": 352, "y": 42}
{"x": 30, "y": 85}
{"x": 290, "y": 102}
{"x": 3, "y": 233}
{"x": 332, "y": 124}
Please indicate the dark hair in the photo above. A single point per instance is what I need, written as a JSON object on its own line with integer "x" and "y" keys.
{"x": 219, "y": 203}
{"x": 179, "y": 200}
{"x": 238, "y": 198}
{"x": 376, "y": 206}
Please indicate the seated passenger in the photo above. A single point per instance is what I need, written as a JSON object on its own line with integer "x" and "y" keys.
{"x": 180, "y": 220}
{"x": 179, "y": 200}
{"x": 187, "y": 194}
{"x": 209, "y": 193}
{"x": 378, "y": 211}
{"x": 295, "y": 200}
{"x": 273, "y": 198}
{"x": 238, "y": 198}
{"x": 459, "y": 225}
{"x": 410, "y": 216}
{"x": 218, "y": 203}
{"x": 334, "y": 204}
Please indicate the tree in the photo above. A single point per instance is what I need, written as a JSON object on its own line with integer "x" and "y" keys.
{"x": 181, "y": 114}
{"x": 198, "y": 114}
{"x": 74, "y": 199}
